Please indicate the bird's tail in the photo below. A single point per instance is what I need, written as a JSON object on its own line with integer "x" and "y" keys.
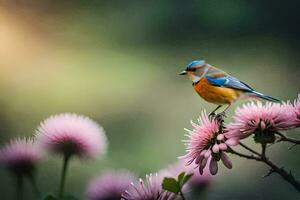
{"x": 262, "y": 96}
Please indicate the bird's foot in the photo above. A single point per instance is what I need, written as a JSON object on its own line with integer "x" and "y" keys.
{"x": 220, "y": 117}
{"x": 212, "y": 116}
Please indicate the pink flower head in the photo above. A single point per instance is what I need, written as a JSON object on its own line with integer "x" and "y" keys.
{"x": 110, "y": 185}
{"x": 297, "y": 111}
{"x": 71, "y": 134}
{"x": 197, "y": 180}
{"x": 150, "y": 189}
{"x": 206, "y": 145}
{"x": 20, "y": 156}
{"x": 256, "y": 118}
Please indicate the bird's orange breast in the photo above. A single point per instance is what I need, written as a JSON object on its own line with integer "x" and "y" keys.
{"x": 214, "y": 94}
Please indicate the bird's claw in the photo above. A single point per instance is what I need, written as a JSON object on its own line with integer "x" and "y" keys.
{"x": 212, "y": 115}
{"x": 220, "y": 117}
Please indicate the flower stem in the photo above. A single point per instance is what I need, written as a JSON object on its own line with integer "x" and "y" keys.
{"x": 274, "y": 168}
{"x": 287, "y": 139}
{"x": 249, "y": 149}
{"x": 250, "y": 157}
{"x": 181, "y": 195}
{"x": 263, "y": 150}
{"x": 34, "y": 185}
{"x": 19, "y": 185}
{"x": 63, "y": 177}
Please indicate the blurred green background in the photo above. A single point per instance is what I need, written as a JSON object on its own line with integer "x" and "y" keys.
{"x": 117, "y": 62}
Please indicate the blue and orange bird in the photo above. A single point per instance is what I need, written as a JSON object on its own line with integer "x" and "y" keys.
{"x": 218, "y": 87}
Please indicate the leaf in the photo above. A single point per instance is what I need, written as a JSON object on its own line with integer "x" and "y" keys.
{"x": 183, "y": 180}
{"x": 181, "y": 176}
{"x": 48, "y": 196}
{"x": 171, "y": 185}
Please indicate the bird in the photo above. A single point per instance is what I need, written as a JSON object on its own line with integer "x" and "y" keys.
{"x": 217, "y": 87}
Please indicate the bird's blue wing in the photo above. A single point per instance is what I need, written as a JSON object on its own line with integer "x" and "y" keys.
{"x": 229, "y": 82}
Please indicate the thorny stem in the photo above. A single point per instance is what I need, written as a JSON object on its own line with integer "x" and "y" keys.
{"x": 288, "y": 176}
{"x": 250, "y": 157}
{"x": 287, "y": 139}
{"x": 249, "y": 149}
{"x": 274, "y": 168}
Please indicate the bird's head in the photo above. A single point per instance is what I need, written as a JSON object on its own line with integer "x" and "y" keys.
{"x": 195, "y": 70}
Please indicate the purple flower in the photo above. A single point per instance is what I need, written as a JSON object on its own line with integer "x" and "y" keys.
{"x": 71, "y": 134}
{"x": 20, "y": 156}
{"x": 297, "y": 111}
{"x": 261, "y": 120}
{"x": 109, "y": 186}
{"x": 206, "y": 145}
{"x": 150, "y": 189}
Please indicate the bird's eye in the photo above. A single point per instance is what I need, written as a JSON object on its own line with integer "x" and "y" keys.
{"x": 191, "y": 69}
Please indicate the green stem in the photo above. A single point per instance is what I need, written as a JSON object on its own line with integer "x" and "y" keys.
{"x": 287, "y": 139}
{"x": 263, "y": 150}
{"x": 250, "y": 157}
{"x": 34, "y": 185}
{"x": 274, "y": 168}
{"x": 63, "y": 177}
{"x": 19, "y": 187}
{"x": 181, "y": 194}
{"x": 249, "y": 149}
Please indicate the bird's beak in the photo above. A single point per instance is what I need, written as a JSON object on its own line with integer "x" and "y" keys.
{"x": 183, "y": 73}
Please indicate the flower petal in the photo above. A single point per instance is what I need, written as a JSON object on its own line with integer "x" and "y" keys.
{"x": 226, "y": 161}
{"x": 232, "y": 142}
{"x": 216, "y": 148}
{"x": 199, "y": 159}
{"x": 202, "y": 165}
{"x": 220, "y": 137}
{"x": 213, "y": 167}
{"x": 207, "y": 154}
{"x": 223, "y": 146}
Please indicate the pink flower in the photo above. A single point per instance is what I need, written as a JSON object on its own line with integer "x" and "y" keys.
{"x": 150, "y": 189}
{"x": 197, "y": 180}
{"x": 71, "y": 134}
{"x": 110, "y": 185}
{"x": 206, "y": 145}
{"x": 20, "y": 156}
{"x": 297, "y": 111}
{"x": 256, "y": 118}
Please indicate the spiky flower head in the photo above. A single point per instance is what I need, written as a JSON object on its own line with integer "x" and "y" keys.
{"x": 110, "y": 185}
{"x": 261, "y": 120}
{"x": 20, "y": 156}
{"x": 297, "y": 111}
{"x": 148, "y": 189}
{"x": 72, "y": 135}
{"x": 207, "y": 145}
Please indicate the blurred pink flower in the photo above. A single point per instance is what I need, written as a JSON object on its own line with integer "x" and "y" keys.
{"x": 110, "y": 185}
{"x": 297, "y": 110}
{"x": 206, "y": 145}
{"x": 71, "y": 134}
{"x": 255, "y": 118}
{"x": 150, "y": 189}
{"x": 197, "y": 180}
{"x": 20, "y": 156}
